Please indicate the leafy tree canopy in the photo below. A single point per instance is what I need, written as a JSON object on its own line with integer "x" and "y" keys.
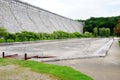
{"x": 3, "y": 32}
{"x": 99, "y": 22}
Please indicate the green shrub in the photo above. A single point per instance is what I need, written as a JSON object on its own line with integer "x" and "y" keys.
{"x": 61, "y": 34}
{"x": 88, "y": 34}
{"x": 95, "y": 31}
{"x": 32, "y": 36}
{"x": 107, "y": 32}
{"x": 77, "y": 35}
{"x": 3, "y": 32}
{"x": 104, "y": 32}
{"x": 2, "y": 40}
{"x": 10, "y": 40}
{"x": 119, "y": 43}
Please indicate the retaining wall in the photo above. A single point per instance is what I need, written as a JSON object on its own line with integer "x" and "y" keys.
{"x": 18, "y": 16}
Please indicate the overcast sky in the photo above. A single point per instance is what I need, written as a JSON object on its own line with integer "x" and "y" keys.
{"x": 80, "y": 9}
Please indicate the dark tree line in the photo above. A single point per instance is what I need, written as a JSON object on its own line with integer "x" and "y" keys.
{"x": 100, "y": 22}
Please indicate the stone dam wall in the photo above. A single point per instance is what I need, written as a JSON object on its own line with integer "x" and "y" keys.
{"x": 18, "y": 16}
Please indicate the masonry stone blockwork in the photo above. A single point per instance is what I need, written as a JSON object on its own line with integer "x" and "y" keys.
{"x": 18, "y": 16}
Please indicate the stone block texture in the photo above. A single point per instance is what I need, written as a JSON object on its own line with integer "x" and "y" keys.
{"x": 18, "y": 16}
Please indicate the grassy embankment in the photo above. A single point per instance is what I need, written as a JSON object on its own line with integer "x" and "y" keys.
{"x": 61, "y": 72}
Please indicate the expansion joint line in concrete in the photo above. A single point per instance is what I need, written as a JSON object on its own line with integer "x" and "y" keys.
{"x": 40, "y": 20}
{"x": 43, "y": 21}
{"x": 60, "y": 24}
{"x": 69, "y": 26}
{"x": 51, "y": 22}
{"x": 57, "y": 26}
{"x": 31, "y": 18}
{"x": 1, "y": 25}
{"x": 57, "y": 22}
{"x": 66, "y": 25}
{"x": 25, "y": 21}
{"x": 15, "y": 18}
{"x": 72, "y": 25}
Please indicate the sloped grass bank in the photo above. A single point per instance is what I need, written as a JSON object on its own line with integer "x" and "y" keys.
{"x": 61, "y": 72}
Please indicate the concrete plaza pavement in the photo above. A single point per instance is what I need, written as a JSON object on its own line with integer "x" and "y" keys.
{"x": 99, "y": 68}
{"x": 61, "y": 49}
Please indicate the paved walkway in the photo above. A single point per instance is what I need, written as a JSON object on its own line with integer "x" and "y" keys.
{"x": 93, "y": 48}
{"x": 62, "y": 49}
{"x": 102, "y": 68}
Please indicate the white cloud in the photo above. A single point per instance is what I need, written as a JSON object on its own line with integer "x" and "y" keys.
{"x": 80, "y": 9}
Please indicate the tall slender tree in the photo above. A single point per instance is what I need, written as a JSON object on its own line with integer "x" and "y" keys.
{"x": 117, "y": 28}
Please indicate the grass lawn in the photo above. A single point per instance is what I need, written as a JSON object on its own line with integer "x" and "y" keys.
{"x": 61, "y": 72}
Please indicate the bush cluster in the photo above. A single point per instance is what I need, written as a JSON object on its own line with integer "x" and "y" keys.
{"x": 5, "y": 36}
{"x": 102, "y": 32}
{"x": 119, "y": 43}
{"x": 32, "y": 36}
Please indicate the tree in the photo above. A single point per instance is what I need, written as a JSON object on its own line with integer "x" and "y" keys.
{"x": 20, "y": 36}
{"x": 61, "y": 34}
{"x": 36, "y": 36}
{"x": 99, "y": 22}
{"x": 119, "y": 43}
{"x": 6, "y": 37}
{"x": 117, "y": 29}
{"x": 77, "y": 35}
{"x": 11, "y": 36}
{"x": 26, "y": 35}
{"x": 95, "y": 31}
{"x": 88, "y": 34}
{"x": 104, "y": 32}
{"x": 3, "y": 32}
{"x": 107, "y": 32}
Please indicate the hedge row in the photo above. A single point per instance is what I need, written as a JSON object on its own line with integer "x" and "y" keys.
{"x": 31, "y": 36}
